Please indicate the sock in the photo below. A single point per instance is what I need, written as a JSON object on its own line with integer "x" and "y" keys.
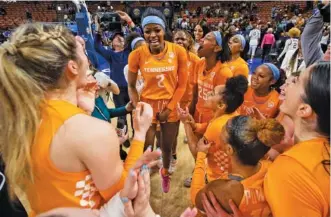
{"x": 164, "y": 172}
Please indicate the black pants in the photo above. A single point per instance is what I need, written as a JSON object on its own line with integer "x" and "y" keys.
{"x": 324, "y": 47}
{"x": 121, "y": 100}
{"x": 266, "y": 50}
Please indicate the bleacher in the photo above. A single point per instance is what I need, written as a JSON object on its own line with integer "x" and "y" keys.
{"x": 44, "y": 12}
{"x": 16, "y": 13}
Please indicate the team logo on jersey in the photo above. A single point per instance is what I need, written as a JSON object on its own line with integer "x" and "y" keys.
{"x": 171, "y": 55}
{"x": 271, "y": 104}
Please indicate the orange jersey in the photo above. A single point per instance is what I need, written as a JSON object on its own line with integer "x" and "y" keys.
{"x": 268, "y": 105}
{"x": 53, "y": 188}
{"x": 163, "y": 74}
{"x": 297, "y": 182}
{"x": 254, "y": 202}
{"x": 207, "y": 82}
{"x": 239, "y": 67}
{"x": 193, "y": 60}
{"x": 218, "y": 162}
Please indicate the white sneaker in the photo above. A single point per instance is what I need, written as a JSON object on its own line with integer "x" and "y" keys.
{"x": 173, "y": 164}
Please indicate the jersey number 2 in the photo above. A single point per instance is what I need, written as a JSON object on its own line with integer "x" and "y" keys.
{"x": 160, "y": 79}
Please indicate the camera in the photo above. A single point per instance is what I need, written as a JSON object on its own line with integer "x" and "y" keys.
{"x": 110, "y": 21}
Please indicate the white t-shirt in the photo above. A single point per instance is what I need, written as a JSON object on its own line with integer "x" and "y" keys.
{"x": 140, "y": 82}
{"x": 254, "y": 36}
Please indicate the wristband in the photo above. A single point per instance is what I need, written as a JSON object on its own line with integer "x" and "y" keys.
{"x": 130, "y": 22}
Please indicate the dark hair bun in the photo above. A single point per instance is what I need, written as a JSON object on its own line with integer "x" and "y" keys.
{"x": 237, "y": 84}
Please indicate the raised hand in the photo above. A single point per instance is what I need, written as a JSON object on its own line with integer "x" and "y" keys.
{"x": 142, "y": 120}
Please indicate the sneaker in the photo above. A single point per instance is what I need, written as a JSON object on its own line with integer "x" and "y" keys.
{"x": 160, "y": 163}
{"x": 173, "y": 165}
{"x": 187, "y": 182}
{"x": 165, "y": 182}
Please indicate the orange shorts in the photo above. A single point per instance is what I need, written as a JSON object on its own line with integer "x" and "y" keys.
{"x": 204, "y": 117}
{"x": 158, "y": 106}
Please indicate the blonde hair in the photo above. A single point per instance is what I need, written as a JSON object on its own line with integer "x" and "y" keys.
{"x": 32, "y": 62}
{"x": 294, "y": 32}
{"x": 270, "y": 30}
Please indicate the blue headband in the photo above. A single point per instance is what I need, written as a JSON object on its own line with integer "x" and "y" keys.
{"x": 275, "y": 71}
{"x": 153, "y": 20}
{"x": 218, "y": 38}
{"x": 134, "y": 42}
{"x": 242, "y": 39}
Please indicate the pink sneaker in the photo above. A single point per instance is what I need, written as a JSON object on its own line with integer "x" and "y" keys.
{"x": 165, "y": 182}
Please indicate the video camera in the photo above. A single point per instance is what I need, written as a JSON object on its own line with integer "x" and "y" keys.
{"x": 110, "y": 21}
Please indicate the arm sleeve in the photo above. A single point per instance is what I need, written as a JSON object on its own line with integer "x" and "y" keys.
{"x": 136, "y": 150}
{"x": 133, "y": 61}
{"x": 310, "y": 39}
{"x": 182, "y": 78}
{"x": 198, "y": 179}
{"x": 117, "y": 112}
{"x": 101, "y": 50}
{"x": 287, "y": 43}
{"x": 291, "y": 190}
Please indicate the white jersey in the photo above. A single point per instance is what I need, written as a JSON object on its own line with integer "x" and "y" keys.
{"x": 254, "y": 36}
{"x": 293, "y": 44}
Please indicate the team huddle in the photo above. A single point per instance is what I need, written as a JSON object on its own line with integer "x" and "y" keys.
{"x": 260, "y": 142}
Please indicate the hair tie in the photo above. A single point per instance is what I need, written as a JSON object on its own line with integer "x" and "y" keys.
{"x": 9, "y": 47}
{"x": 153, "y": 20}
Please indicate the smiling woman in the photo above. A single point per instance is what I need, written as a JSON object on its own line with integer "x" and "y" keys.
{"x": 261, "y": 96}
{"x": 163, "y": 66}
{"x": 300, "y": 177}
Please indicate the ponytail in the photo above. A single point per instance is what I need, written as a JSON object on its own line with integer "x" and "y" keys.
{"x": 31, "y": 62}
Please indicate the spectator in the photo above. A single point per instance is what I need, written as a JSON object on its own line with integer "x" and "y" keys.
{"x": 28, "y": 15}
{"x": 267, "y": 43}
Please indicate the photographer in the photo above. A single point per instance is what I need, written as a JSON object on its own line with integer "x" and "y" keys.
{"x": 118, "y": 59}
